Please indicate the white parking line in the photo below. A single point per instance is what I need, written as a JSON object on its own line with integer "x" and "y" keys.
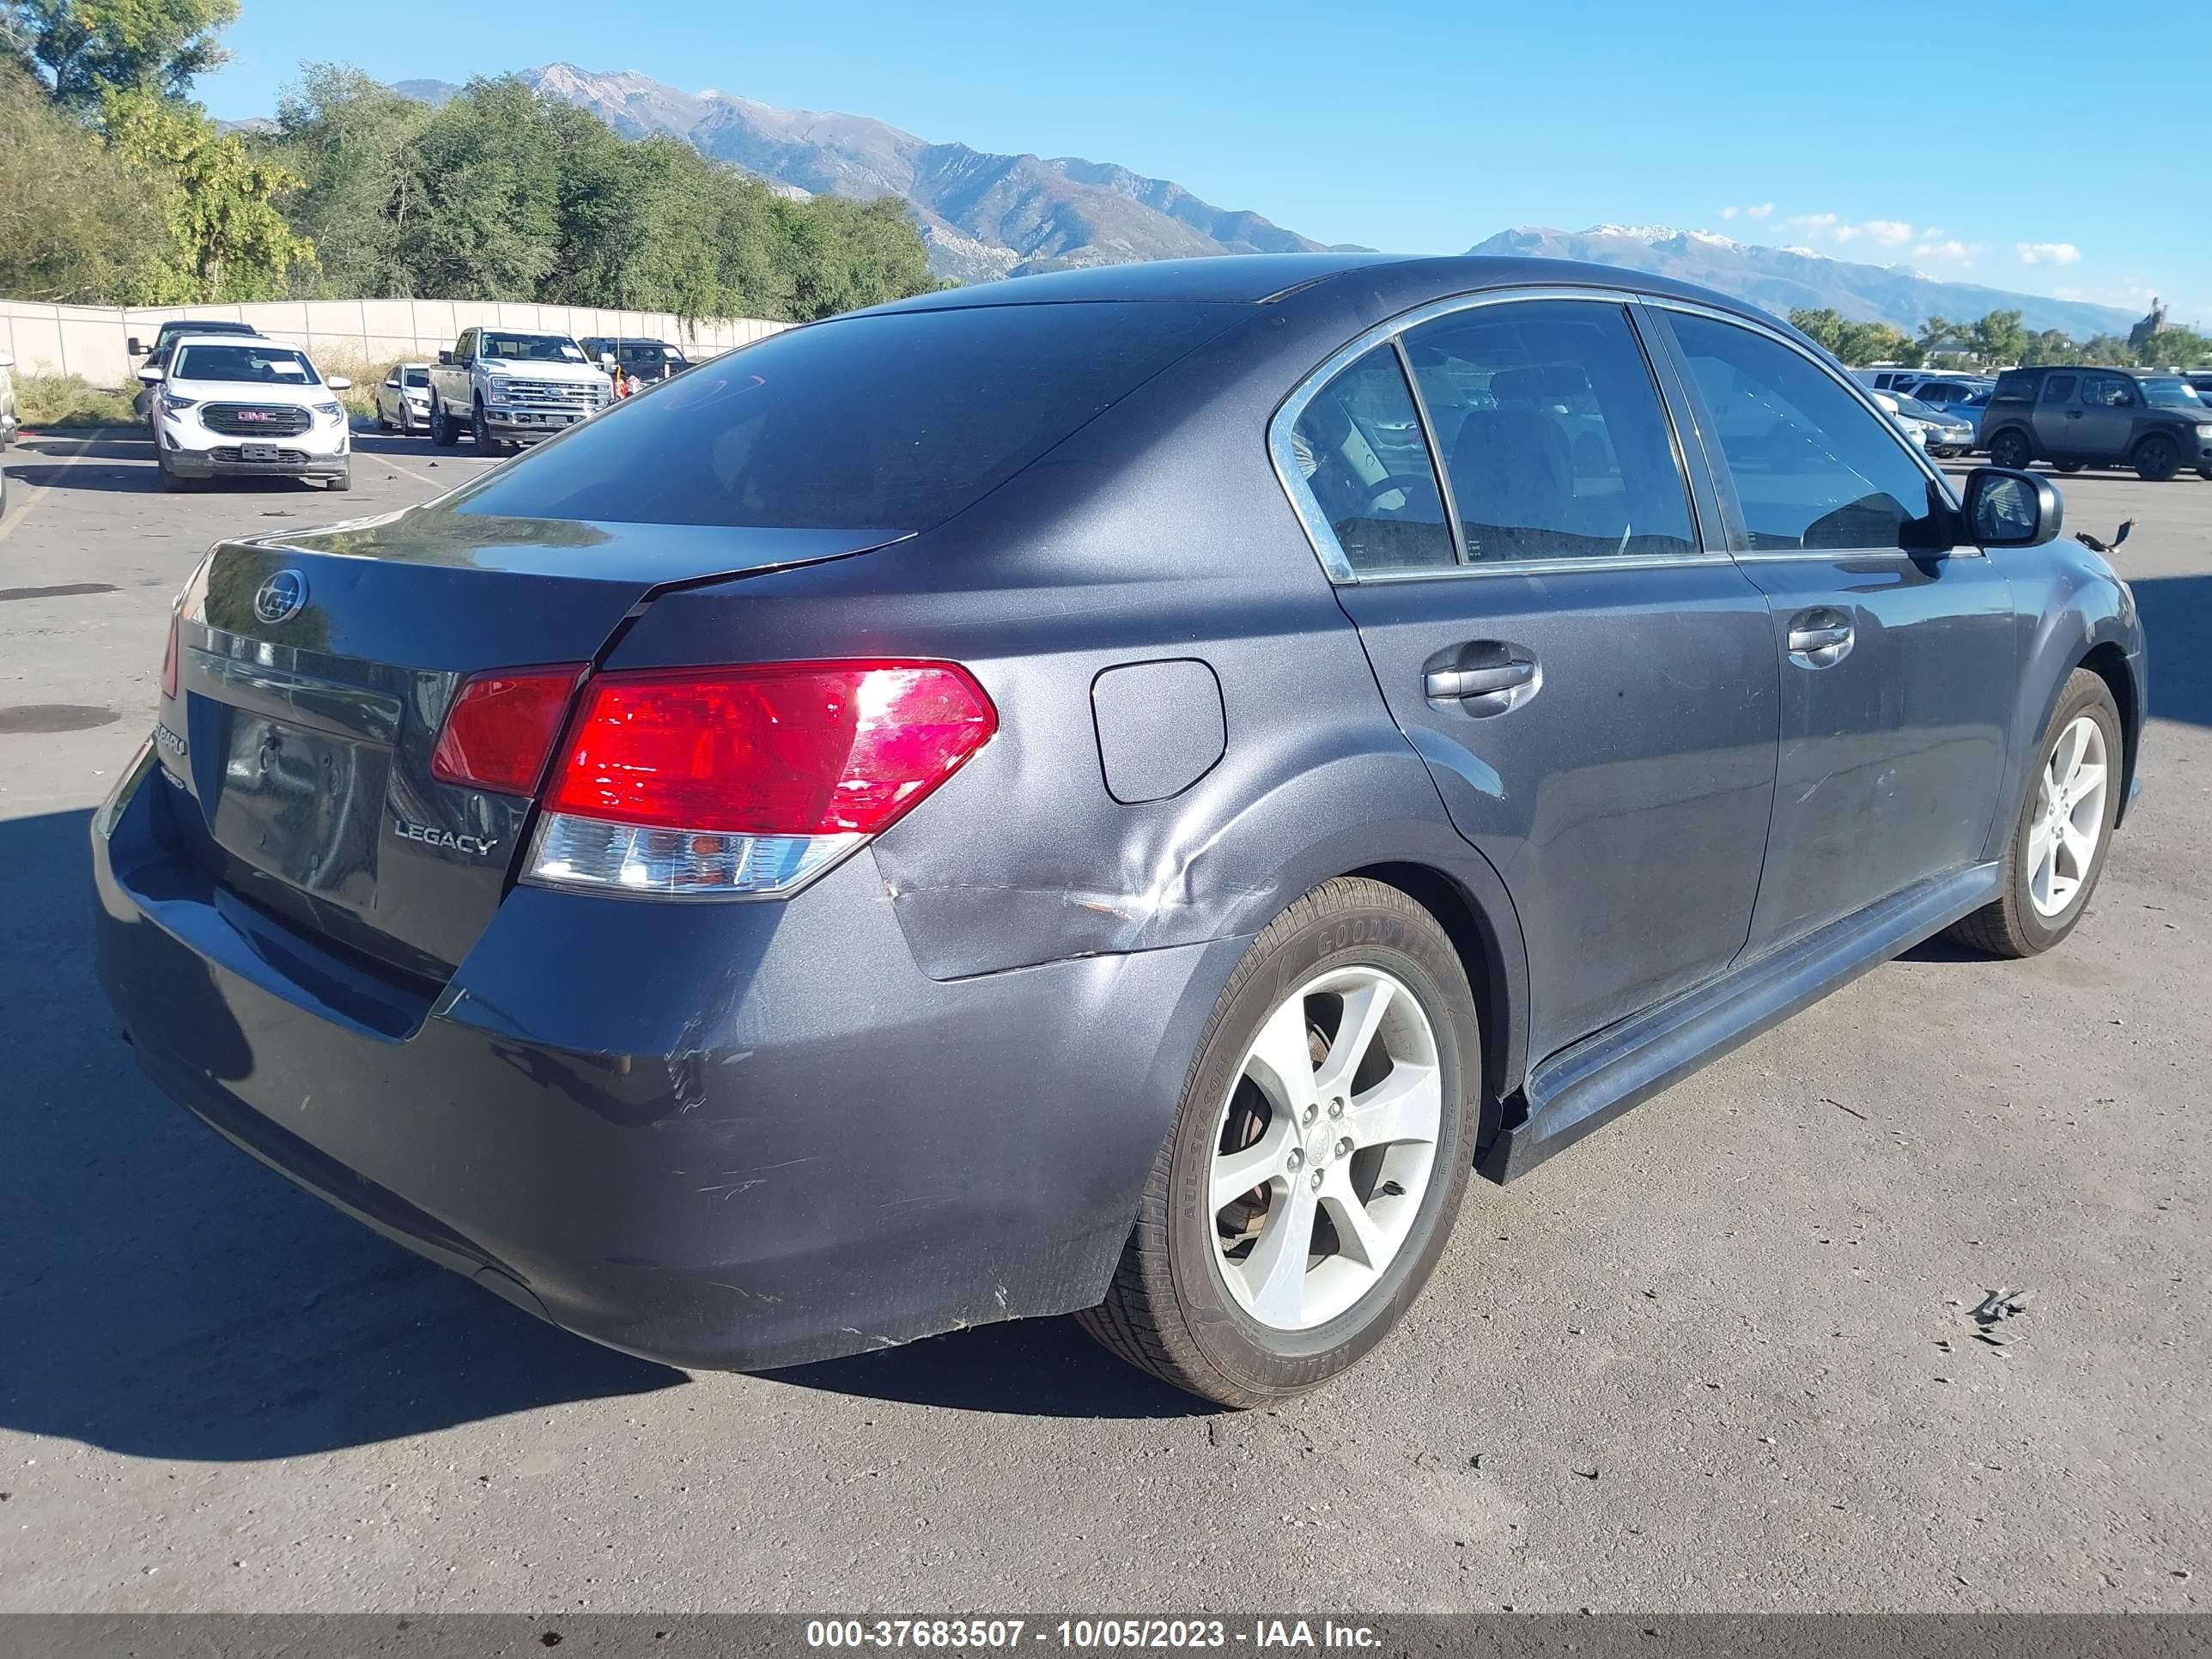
{"x": 30, "y": 502}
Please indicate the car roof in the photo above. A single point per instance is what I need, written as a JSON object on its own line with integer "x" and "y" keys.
{"x": 1269, "y": 278}
{"x": 231, "y": 338}
{"x": 209, "y": 325}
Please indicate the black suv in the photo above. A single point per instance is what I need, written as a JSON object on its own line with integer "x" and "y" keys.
{"x": 2077, "y": 417}
{"x": 641, "y": 359}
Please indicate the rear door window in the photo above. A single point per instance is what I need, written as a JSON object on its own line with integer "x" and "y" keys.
{"x": 2059, "y": 388}
{"x": 1359, "y": 446}
{"x": 890, "y": 421}
{"x": 1555, "y": 442}
{"x": 1813, "y": 467}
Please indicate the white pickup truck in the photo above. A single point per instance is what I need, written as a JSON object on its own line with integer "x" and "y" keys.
{"x": 506, "y": 386}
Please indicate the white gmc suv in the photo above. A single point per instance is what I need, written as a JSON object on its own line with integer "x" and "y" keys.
{"x": 225, "y": 406}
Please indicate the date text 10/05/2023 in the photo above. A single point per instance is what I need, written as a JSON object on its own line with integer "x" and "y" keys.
{"x": 1087, "y": 1634}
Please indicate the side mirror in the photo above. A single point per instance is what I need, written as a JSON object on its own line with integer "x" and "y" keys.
{"x": 337, "y": 383}
{"x": 1885, "y": 402}
{"x": 132, "y": 346}
{"x": 6, "y": 361}
{"x": 2012, "y": 509}
{"x": 445, "y": 359}
{"x": 152, "y": 375}
{"x": 606, "y": 360}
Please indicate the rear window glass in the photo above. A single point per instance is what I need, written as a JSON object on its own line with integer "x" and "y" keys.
{"x": 2013, "y": 388}
{"x": 894, "y": 422}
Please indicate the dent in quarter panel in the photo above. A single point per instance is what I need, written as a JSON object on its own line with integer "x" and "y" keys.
{"x": 1161, "y": 727}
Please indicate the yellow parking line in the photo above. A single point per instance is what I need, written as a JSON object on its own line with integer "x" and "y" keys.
{"x": 30, "y": 502}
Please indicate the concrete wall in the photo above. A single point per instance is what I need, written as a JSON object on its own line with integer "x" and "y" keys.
{"x": 91, "y": 340}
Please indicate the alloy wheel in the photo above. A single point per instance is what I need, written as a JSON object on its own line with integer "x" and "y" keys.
{"x": 2069, "y": 817}
{"x": 1325, "y": 1147}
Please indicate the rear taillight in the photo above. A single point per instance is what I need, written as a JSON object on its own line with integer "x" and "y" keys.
{"x": 499, "y": 733}
{"x": 169, "y": 660}
{"x": 703, "y": 782}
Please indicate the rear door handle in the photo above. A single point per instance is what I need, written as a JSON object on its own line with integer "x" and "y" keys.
{"x": 1445, "y": 685}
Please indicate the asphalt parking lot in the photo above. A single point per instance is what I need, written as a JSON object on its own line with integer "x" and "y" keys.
{"x": 1720, "y": 1357}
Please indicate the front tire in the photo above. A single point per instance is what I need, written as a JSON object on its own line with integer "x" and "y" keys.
{"x": 2157, "y": 459}
{"x": 2011, "y": 449}
{"x": 2065, "y": 828}
{"x": 1318, "y": 1157}
{"x": 340, "y": 482}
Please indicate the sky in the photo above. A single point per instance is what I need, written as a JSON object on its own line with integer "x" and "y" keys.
{"x": 1427, "y": 126}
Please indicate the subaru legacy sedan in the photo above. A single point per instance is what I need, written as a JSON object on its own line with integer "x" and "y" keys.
{"x": 1114, "y": 793}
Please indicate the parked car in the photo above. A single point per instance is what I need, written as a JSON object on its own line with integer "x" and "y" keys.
{"x": 2074, "y": 417}
{"x": 507, "y": 387}
{"x": 1008, "y": 803}
{"x": 2200, "y": 380}
{"x": 232, "y": 407}
{"x": 1954, "y": 394}
{"x": 8, "y": 425}
{"x": 1941, "y": 435}
{"x": 647, "y": 361}
{"x": 402, "y": 402}
{"x": 157, "y": 356}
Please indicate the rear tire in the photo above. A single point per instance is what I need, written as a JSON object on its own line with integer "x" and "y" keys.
{"x": 2011, "y": 449}
{"x": 443, "y": 431}
{"x": 1349, "y": 1208}
{"x": 2038, "y": 908}
{"x": 2156, "y": 459}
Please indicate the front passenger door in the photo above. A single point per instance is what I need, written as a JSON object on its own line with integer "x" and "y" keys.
{"x": 2109, "y": 409}
{"x": 1896, "y": 659}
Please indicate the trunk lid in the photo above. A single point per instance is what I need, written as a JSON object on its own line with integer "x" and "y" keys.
{"x": 314, "y": 672}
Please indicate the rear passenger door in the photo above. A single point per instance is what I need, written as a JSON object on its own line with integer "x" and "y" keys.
{"x": 2058, "y": 416}
{"x": 1593, "y": 692}
{"x": 1897, "y": 658}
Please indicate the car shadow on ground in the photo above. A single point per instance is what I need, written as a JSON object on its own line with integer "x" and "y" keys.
{"x": 168, "y": 1297}
{"x": 1026, "y": 1368}
{"x": 2177, "y": 619}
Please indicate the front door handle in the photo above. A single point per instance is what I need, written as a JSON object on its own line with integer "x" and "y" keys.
{"x": 1819, "y": 638}
{"x": 1443, "y": 684}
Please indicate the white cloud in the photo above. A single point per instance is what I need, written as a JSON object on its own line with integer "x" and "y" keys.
{"x": 1882, "y": 233}
{"x": 1730, "y": 212}
{"x": 2047, "y": 253}
{"x": 1953, "y": 251}
{"x": 1763, "y": 210}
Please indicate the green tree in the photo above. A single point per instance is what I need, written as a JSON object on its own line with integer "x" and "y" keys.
{"x": 77, "y": 226}
{"x": 1998, "y": 338}
{"x": 1937, "y": 334}
{"x": 2175, "y": 347}
{"x": 89, "y": 48}
{"x": 227, "y": 239}
{"x": 347, "y": 139}
{"x": 481, "y": 197}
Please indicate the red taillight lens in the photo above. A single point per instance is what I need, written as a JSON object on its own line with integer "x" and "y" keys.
{"x": 169, "y": 659}
{"x": 499, "y": 731}
{"x": 797, "y": 749}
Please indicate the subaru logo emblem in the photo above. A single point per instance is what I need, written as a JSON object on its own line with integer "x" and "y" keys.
{"x": 283, "y": 596}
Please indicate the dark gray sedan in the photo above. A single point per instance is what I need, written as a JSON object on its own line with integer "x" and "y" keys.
{"x": 1112, "y": 793}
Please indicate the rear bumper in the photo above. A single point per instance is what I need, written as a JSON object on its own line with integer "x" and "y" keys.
{"x": 737, "y": 1135}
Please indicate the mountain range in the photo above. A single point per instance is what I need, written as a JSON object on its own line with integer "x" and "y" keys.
{"x": 1782, "y": 279}
{"x": 987, "y": 215}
